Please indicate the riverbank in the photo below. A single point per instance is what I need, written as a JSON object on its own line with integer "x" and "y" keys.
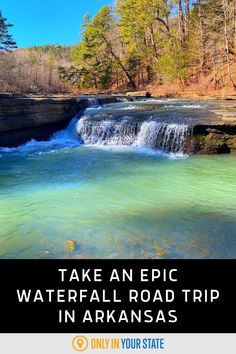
{"x": 27, "y": 117}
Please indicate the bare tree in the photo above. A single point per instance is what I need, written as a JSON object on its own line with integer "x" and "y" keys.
{"x": 225, "y": 6}
{"x": 181, "y": 22}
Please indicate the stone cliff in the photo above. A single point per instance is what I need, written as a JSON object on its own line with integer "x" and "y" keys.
{"x": 216, "y": 136}
{"x": 25, "y": 118}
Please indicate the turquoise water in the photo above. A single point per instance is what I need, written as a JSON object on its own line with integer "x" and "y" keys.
{"x": 115, "y": 203}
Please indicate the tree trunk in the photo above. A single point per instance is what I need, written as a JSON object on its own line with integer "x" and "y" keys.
{"x": 117, "y": 59}
{"x": 202, "y": 36}
{"x": 234, "y": 24}
{"x": 226, "y": 38}
{"x": 214, "y": 68}
{"x": 187, "y": 13}
{"x": 154, "y": 43}
{"x": 181, "y": 22}
{"x": 187, "y": 6}
{"x": 149, "y": 74}
{"x": 166, "y": 25}
{"x": 50, "y": 77}
{"x": 164, "y": 22}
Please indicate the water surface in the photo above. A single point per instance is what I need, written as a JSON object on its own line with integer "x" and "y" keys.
{"x": 115, "y": 202}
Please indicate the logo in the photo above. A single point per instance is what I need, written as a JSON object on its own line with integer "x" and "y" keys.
{"x": 80, "y": 343}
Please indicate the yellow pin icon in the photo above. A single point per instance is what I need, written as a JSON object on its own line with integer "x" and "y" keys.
{"x": 80, "y": 343}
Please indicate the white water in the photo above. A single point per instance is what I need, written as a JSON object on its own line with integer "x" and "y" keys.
{"x": 107, "y": 132}
{"x": 162, "y": 136}
{"x": 93, "y": 101}
{"x": 192, "y": 106}
{"x": 150, "y": 134}
{"x": 62, "y": 139}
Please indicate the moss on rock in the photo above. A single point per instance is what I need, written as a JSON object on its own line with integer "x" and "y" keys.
{"x": 212, "y": 143}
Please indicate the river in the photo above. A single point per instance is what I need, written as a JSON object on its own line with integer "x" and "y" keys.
{"x": 117, "y": 190}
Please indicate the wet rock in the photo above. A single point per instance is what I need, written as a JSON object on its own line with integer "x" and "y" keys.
{"x": 211, "y": 138}
{"x": 223, "y": 149}
{"x": 212, "y": 143}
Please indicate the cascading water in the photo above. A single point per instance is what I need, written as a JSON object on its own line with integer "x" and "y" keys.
{"x": 107, "y": 132}
{"x": 163, "y": 136}
{"x": 68, "y": 134}
{"x": 108, "y": 125}
{"x": 93, "y": 101}
{"x": 148, "y": 134}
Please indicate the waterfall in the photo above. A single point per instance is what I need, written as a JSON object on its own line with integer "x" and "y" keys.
{"x": 111, "y": 127}
{"x": 107, "y": 132}
{"x": 93, "y": 101}
{"x": 163, "y": 136}
{"x": 69, "y": 133}
{"x": 167, "y": 137}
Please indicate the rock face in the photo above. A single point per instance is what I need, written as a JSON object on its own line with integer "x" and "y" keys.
{"x": 214, "y": 140}
{"x": 217, "y": 137}
{"x": 23, "y": 118}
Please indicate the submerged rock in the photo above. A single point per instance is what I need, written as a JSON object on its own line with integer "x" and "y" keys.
{"x": 70, "y": 245}
{"x": 160, "y": 251}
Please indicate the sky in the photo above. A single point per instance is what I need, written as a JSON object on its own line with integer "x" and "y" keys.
{"x": 39, "y": 22}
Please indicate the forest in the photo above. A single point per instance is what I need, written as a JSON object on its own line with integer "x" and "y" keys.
{"x": 157, "y": 45}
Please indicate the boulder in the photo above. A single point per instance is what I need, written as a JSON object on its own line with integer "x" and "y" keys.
{"x": 70, "y": 245}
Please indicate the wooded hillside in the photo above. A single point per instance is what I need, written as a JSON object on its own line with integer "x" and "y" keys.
{"x": 157, "y": 42}
{"x": 136, "y": 44}
{"x": 34, "y": 70}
